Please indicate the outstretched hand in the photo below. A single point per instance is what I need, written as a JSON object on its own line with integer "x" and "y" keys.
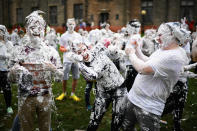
{"x": 74, "y": 57}
{"x": 50, "y": 67}
{"x": 129, "y": 51}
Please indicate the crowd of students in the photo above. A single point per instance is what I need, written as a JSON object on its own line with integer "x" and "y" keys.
{"x": 143, "y": 77}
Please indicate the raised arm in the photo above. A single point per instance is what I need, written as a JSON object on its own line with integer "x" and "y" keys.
{"x": 87, "y": 72}
{"x": 140, "y": 65}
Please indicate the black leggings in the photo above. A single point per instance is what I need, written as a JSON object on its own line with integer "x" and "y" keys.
{"x": 88, "y": 89}
{"x": 130, "y": 77}
{"x": 5, "y": 86}
{"x": 175, "y": 103}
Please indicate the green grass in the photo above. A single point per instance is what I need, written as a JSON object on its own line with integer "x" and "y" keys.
{"x": 72, "y": 115}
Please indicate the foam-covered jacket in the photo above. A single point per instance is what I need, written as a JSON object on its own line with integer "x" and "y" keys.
{"x": 35, "y": 67}
{"x": 102, "y": 69}
{"x": 5, "y": 54}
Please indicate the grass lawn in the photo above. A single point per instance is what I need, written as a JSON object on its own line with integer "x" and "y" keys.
{"x": 71, "y": 115}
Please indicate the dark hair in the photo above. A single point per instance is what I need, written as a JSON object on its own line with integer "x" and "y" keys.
{"x": 131, "y": 23}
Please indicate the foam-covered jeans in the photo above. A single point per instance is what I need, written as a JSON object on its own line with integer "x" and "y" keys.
{"x": 101, "y": 103}
{"x": 131, "y": 114}
{"x": 30, "y": 107}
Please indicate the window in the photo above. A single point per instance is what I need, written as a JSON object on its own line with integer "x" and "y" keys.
{"x": 104, "y": 17}
{"x": 78, "y": 11}
{"x": 117, "y": 16}
{"x": 92, "y": 17}
{"x": 187, "y": 9}
{"x": 53, "y": 14}
{"x": 34, "y": 9}
{"x": 1, "y": 12}
{"x": 19, "y": 15}
{"x": 63, "y": 2}
{"x": 104, "y": 0}
{"x": 147, "y": 5}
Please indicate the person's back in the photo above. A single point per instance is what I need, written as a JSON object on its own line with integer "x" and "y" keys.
{"x": 109, "y": 76}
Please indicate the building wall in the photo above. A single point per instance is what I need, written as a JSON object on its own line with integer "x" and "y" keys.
{"x": 27, "y": 5}
{"x": 60, "y": 11}
{"x": 70, "y": 7}
{"x": 1, "y": 12}
{"x": 163, "y": 10}
{"x": 4, "y": 12}
{"x": 159, "y": 11}
{"x": 195, "y": 10}
{"x": 113, "y": 7}
{"x": 135, "y": 9}
{"x": 174, "y": 10}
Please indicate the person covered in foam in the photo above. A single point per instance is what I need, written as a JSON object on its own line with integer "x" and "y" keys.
{"x": 5, "y": 55}
{"x": 68, "y": 45}
{"x": 156, "y": 78}
{"x": 110, "y": 88}
{"x": 33, "y": 71}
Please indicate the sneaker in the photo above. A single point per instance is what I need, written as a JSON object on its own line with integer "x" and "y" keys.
{"x": 163, "y": 122}
{"x": 9, "y": 110}
{"x": 74, "y": 97}
{"x": 61, "y": 97}
{"x": 89, "y": 108}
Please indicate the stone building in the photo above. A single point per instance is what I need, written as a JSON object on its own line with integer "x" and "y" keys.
{"x": 5, "y": 12}
{"x": 116, "y": 12}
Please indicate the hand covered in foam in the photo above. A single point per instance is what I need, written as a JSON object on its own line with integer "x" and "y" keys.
{"x": 49, "y": 67}
{"x": 129, "y": 51}
{"x": 74, "y": 57}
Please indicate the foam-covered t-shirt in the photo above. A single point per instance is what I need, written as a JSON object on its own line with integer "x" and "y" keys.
{"x": 150, "y": 92}
{"x": 66, "y": 41}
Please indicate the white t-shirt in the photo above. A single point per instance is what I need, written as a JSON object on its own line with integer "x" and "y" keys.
{"x": 66, "y": 41}
{"x": 150, "y": 92}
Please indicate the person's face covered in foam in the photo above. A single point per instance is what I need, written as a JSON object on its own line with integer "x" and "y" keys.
{"x": 164, "y": 36}
{"x": 84, "y": 52}
{"x": 71, "y": 25}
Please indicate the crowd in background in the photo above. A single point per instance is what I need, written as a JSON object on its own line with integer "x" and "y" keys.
{"x": 118, "y": 63}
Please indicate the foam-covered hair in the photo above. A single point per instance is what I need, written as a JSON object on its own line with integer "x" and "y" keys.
{"x": 103, "y": 25}
{"x": 34, "y": 17}
{"x": 71, "y": 20}
{"x": 94, "y": 36}
{"x": 4, "y": 32}
{"x": 3, "y": 28}
{"x": 135, "y": 23}
{"x": 182, "y": 35}
{"x": 150, "y": 33}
